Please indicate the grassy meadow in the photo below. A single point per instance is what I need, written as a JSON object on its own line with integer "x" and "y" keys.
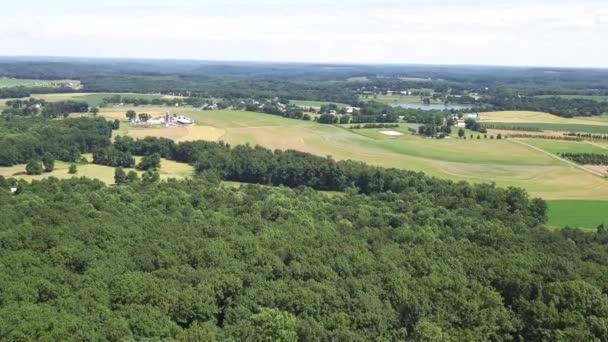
{"x": 580, "y": 214}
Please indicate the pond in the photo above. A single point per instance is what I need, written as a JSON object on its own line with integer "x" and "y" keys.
{"x": 429, "y": 106}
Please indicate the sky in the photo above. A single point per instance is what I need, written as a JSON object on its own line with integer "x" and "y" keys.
{"x": 492, "y": 32}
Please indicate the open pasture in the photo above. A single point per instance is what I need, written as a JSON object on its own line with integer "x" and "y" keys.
{"x": 560, "y": 146}
{"x": 579, "y": 214}
{"x": 504, "y": 162}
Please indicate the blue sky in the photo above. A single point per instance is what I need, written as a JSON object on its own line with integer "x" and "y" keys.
{"x": 500, "y": 32}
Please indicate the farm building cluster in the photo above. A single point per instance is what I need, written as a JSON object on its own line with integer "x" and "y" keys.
{"x": 167, "y": 120}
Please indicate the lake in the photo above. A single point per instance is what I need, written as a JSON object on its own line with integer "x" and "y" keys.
{"x": 429, "y": 106}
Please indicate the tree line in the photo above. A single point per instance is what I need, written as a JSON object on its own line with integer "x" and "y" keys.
{"x": 586, "y": 158}
{"x": 555, "y": 105}
{"x": 374, "y": 125}
{"x": 47, "y": 109}
{"x": 259, "y": 165}
{"x": 508, "y": 127}
{"x": 588, "y": 136}
{"x": 21, "y": 92}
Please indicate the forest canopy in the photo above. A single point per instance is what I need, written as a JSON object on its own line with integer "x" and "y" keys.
{"x": 194, "y": 260}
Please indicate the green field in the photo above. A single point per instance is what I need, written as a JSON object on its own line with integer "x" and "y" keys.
{"x": 577, "y": 128}
{"x": 14, "y": 82}
{"x": 580, "y": 214}
{"x": 560, "y": 146}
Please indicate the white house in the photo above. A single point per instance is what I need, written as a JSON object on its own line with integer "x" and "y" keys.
{"x": 184, "y": 120}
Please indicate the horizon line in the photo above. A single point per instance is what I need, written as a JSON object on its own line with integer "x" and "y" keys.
{"x": 345, "y": 63}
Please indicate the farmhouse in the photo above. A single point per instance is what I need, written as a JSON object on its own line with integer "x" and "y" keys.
{"x": 472, "y": 116}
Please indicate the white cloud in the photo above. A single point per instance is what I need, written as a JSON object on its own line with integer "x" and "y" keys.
{"x": 509, "y": 32}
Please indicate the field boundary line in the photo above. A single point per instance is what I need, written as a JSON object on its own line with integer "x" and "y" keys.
{"x": 560, "y": 158}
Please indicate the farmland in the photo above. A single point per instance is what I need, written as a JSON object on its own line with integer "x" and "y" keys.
{"x": 538, "y": 117}
{"x": 470, "y": 160}
{"x": 168, "y": 169}
{"x": 581, "y": 214}
{"x": 556, "y": 147}
{"x": 561, "y": 127}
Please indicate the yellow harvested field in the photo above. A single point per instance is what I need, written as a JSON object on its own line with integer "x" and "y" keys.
{"x": 168, "y": 169}
{"x": 179, "y": 133}
{"x": 527, "y": 116}
{"x": 598, "y": 168}
{"x": 120, "y": 112}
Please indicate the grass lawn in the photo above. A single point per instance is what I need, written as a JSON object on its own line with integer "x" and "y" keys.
{"x": 168, "y": 169}
{"x": 581, "y": 214}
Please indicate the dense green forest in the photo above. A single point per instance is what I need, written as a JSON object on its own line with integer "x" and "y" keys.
{"x": 20, "y": 92}
{"x": 192, "y": 260}
{"x": 26, "y": 138}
